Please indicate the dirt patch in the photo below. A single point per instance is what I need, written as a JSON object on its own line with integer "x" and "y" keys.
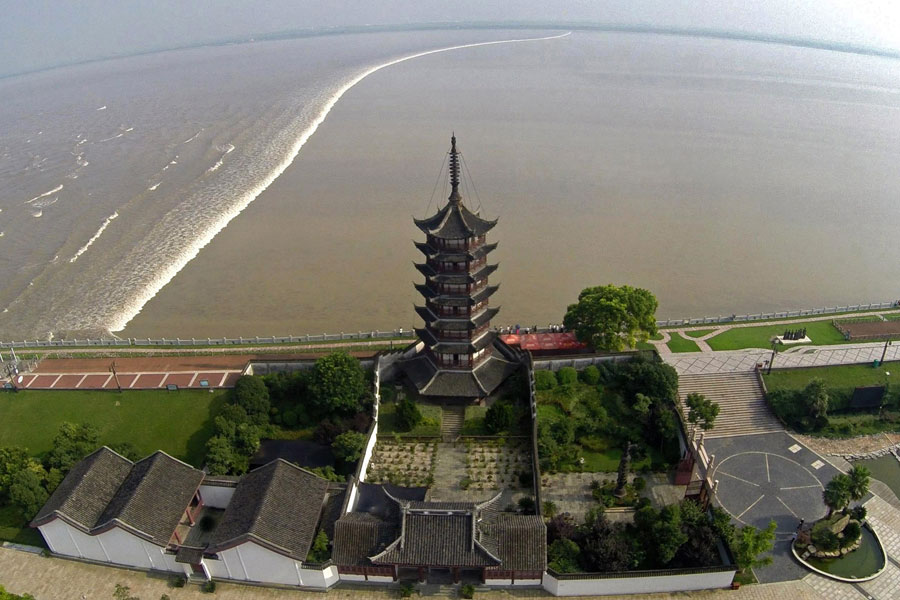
{"x": 869, "y": 330}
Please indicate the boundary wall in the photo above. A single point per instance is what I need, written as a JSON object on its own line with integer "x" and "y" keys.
{"x": 637, "y": 582}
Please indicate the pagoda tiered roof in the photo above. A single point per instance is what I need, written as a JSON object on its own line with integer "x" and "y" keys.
{"x": 453, "y": 254}
{"x": 456, "y": 299}
{"x": 457, "y": 323}
{"x": 454, "y": 222}
{"x": 455, "y": 276}
{"x": 456, "y": 346}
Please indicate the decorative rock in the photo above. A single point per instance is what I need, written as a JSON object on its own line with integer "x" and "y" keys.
{"x": 839, "y": 525}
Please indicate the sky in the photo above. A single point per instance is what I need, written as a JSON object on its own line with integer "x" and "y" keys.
{"x": 36, "y": 34}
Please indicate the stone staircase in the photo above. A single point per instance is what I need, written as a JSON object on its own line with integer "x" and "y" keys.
{"x": 452, "y": 417}
{"x": 742, "y": 406}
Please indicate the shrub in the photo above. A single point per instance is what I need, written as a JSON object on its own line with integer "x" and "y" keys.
{"x": 639, "y": 484}
{"x": 209, "y": 587}
{"x": 289, "y": 418}
{"x": 591, "y": 375}
{"x": 544, "y": 380}
{"x": 408, "y": 414}
{"x": 467, "y": 590}
{"x": 823, "y": 538}
{"x": 178, "y": 581}
{"x": 851, "y": 533}
{"x": 526, "y": 503}
{"x": 251, "y": 394}
{"x": 858, "y": 513}
{"x": 348, "y": 446}
{"x": 567, "y": 376}
{"x": 499, "y": 417}
{"x": 562, "y": 556}
{"x": 406, "y": 590}
{"x": 319, "y": 550}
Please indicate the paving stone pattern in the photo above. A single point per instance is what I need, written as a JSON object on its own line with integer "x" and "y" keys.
{"x": 833, "y": 589}
{"x": 886, "y": 586}
{"x": 885, "y": 519}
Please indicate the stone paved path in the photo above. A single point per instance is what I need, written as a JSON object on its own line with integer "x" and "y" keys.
{"x": 731, "y": 361}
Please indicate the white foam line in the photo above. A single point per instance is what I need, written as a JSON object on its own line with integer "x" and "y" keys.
{"x": 110, "y": 138}
{"x": 45, "y": 194}
{"x": 93, "y": 239}
{"x": 193, "y": 249}
{"x": 102, "y": 107}
{"x": 153, "y": 187}
{"x": 192, "y": 138}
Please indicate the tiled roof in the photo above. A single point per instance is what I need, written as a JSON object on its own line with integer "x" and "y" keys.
{"x": 277, "y": 505}
{"x": 357, "y": 536}
{"x": 520, "y": 541}
{"x": 440, "y": 540}
{"x": 455, "y": 221}
{"x": 153, "y": 497}
{"x": 86, "y": 490}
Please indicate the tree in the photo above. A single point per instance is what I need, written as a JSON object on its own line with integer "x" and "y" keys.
{"x": 71, "y": 444}
{"x": 219, "y": 455}
{"x": 338, "y": 383}
{"x": 319, "y": 551}
{"x": 815, "y": 398}
{"x": 408, "y": 414}
{"x": 859, "y": 482}
{"x": 610, "y": 317}
{"x": 251, "y": 394}
{"x": 607, "y": 547}
{"x": 749, "y": 542}
{"x": 126, "y": 449}
{"x": 499, "y": 417}
{"x": 701, "y": 410}
{"x": 838, "y": 493}
{"x": 12, "y": 460}
{"x": 562, "y": 556}
{"x": 27, "y": 492}
{"x": 560, "y": 526}
{"x": 348, "y": 446}
{"x": 4, "y": 595}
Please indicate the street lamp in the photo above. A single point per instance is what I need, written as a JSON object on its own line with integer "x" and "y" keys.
{"x": 772, "y": 360}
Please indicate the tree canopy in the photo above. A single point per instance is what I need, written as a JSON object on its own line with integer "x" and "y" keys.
{"x": 838, "y": 493}
{"x": 701, "y": 411}
{"x": 338, "y": 383}
{"x": 610, "y": 317}
{"x": 251, "y": 394}
{"x": 749, "y": 542}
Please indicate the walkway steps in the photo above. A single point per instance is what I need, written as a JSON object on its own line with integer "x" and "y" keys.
{"x": 452, "y": 417}
{"x": 742, "y": 406}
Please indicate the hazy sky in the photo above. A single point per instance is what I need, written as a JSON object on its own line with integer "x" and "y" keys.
{"x": 41, "y": 33}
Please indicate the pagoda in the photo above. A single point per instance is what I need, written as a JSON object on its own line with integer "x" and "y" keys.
{"x": 460, "y": 356}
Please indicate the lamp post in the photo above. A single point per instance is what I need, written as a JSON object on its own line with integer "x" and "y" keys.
{"x": 772, "y": 360}
{"x": 884, "y": 352}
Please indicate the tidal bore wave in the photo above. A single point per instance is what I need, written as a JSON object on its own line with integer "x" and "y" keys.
{"x": 185, "y": 218}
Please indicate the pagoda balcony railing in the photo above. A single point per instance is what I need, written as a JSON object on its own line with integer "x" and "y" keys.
{"x": 460, "y": 244}
{"x": 444, "y": 267}
{"x": 462, "y": 288}
{"x": 460, "y": 363}
{"x": 456, "y": 312}
{"x": 454, "y": 335}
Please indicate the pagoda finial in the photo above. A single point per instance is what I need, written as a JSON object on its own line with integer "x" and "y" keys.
{"x": 454, "y": 170}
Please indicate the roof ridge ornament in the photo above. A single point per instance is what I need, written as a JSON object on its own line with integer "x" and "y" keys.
{"x": 454, "y": 171}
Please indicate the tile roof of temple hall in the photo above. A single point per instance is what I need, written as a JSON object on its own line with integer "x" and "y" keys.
{"x": 105, "y": 490}
{"x": 278, "y": 506}
{"x": 455, "y": 221}
{"x": 441, "y": 534}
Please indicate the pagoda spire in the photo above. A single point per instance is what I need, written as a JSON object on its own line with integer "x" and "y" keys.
{"x": 454, "y": 171}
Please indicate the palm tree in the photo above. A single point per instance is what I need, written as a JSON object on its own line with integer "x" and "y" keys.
{"x": 837, "y": 493}
{"x": 859, "y": 482}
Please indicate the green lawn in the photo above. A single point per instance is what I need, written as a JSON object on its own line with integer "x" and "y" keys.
{"x": 177, "y": 422}
{"x": 682, "y": 344}
{"x": 820, "y": 332}
{"x": 698, "y": 332}
{"x": 430, "y": 425}
{"x": 474, "y": 422}
{"x": 838, "y": 377}
{"x": 656, "y": 337}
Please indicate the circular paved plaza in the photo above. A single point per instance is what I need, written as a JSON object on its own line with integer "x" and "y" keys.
{"x": 757, "y": 487}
